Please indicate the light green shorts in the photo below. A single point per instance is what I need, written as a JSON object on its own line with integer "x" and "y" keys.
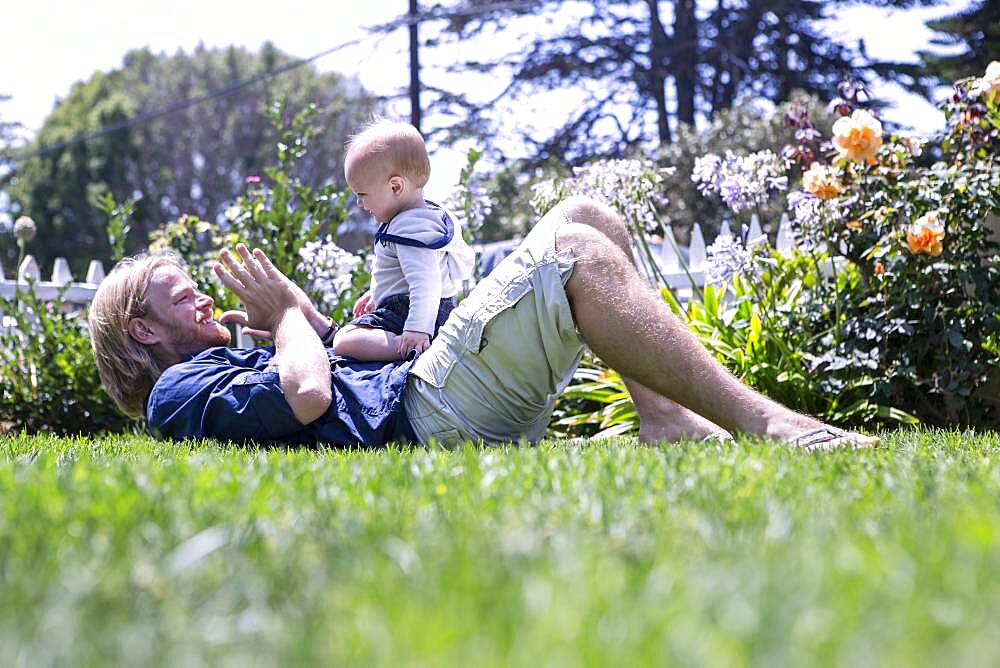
{"x": 506, "y": 352}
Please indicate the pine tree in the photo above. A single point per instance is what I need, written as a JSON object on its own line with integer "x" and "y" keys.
{"x": 649, "y": 66}
{"x": 976, "y": 30}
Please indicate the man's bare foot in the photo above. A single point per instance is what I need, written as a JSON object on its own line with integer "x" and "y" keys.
{"x": 810, "y": 434}
{"x": 829, "y": 438}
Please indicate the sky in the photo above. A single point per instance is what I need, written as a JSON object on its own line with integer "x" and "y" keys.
{"x": 51, "y": 44}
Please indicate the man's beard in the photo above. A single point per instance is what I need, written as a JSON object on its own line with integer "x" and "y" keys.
{"x": 196, "y": 338}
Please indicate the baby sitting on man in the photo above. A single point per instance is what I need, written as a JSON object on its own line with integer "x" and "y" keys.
{"x": 421, "y": 258}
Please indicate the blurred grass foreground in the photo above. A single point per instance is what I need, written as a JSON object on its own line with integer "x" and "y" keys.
{"x": 127, "y": 551}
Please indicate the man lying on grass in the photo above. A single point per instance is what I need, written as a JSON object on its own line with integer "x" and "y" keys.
{"x": 492, "y": 374}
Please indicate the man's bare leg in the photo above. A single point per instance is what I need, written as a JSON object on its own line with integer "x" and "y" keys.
{"x": 630, "y": 327}
{"x": 660, "y": 418}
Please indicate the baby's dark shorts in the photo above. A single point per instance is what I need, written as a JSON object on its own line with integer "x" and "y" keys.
{"x": 392, "y": 312}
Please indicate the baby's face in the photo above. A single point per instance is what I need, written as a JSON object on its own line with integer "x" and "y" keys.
{"x": 375, "y": 195}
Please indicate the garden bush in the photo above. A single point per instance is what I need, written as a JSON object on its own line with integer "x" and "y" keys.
{"x": 921, "y": 318}
{"x": 48, "y": 376}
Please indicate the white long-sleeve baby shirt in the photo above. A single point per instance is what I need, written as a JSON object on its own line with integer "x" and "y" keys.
{"x": 421, "y": 252}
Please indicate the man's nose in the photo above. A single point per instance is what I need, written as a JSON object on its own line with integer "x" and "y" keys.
{"x": 205, "y": 301}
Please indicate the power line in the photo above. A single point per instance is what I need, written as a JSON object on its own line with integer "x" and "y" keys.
{"x": 145, "y": 117}
{"x": 182, "y": 104}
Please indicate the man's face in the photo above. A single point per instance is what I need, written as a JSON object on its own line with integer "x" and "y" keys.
{"x": 180, "y": 316}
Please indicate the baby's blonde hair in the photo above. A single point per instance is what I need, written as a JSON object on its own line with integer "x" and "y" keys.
{"x": 390, "y": 147}
{"x": 127, "y": 368}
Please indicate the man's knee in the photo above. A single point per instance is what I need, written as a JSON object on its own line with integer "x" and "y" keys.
{"x": 591, "y": 246}
{"x": 588, "y": 211}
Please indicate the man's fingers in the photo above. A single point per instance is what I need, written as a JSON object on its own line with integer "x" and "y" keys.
{"x": 250, "y": 262}
{"x": 257, "y": 333}
{"x": 238, "y": 317}
{"x": 229, "y": 280}
{"x": 266, "y": 264}
{"x": 235, "y": 267}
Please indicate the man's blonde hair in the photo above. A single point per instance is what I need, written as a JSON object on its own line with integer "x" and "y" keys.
{"x": 391, "y": 147}
{"x": 128, "y": 368}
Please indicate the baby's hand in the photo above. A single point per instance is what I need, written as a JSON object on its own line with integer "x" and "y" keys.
{"x": 364, "y": 305}
{"x": 418, "y": 341}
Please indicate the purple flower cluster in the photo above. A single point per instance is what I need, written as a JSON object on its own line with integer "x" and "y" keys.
{"x": 741, "y": 181}
{"x": 725, "y": 258}
{"x": 728, "y": 257}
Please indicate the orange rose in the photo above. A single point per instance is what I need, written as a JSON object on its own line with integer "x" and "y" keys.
{"x": 821, "y": 182}
{"x": 925, "y": 235}
{"x": 989, "y": 85}
{"x": 858, "y": 137}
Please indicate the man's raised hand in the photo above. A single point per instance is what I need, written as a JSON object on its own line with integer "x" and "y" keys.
{"x": 265, "y": 292}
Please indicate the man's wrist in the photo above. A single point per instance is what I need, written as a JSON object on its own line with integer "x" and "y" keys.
{"x": 322, "y": 324}
{"x": 326, "y": 336}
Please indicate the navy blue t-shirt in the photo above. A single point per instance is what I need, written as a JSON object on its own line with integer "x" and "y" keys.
{"x": 231, "y": 394}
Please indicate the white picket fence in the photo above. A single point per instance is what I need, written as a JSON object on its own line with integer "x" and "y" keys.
{"x": 77, "y": 295}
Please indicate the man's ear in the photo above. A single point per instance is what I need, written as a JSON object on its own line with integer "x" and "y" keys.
{"x": 398, "y": 184}
{"x": 141, "y": 331}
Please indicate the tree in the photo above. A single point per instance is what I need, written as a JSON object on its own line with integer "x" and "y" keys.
{"x": 976, "y": 30}
{"x": 648, "y": 66}
{"x": 194, "y": 160}
{"x": 8, "y": 141}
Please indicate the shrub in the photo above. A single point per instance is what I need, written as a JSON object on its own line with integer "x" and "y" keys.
{"x": 48, "y": 375}
{"x": 923, "y": 313}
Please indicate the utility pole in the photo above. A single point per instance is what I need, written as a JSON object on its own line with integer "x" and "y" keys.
{"x": 414, "y": 67}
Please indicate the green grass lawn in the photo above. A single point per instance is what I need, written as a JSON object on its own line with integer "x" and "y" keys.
{"x": 129, "y": 551}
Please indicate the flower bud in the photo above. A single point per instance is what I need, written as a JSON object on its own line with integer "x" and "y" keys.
{"x": 24, "y": 229}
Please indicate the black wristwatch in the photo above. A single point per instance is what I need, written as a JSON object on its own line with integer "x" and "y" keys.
{"x": 327, "y": 337}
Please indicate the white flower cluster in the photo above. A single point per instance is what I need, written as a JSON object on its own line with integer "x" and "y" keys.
{"x": 328, "y": 267}
{"x": 741, "y": 181}
{"x": 474, "y": 202}
{"x": 632, "y": 187}
{"x": 810, "y": 213}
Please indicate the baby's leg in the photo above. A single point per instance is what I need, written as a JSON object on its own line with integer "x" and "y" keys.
{"x": 367, "y": 344}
